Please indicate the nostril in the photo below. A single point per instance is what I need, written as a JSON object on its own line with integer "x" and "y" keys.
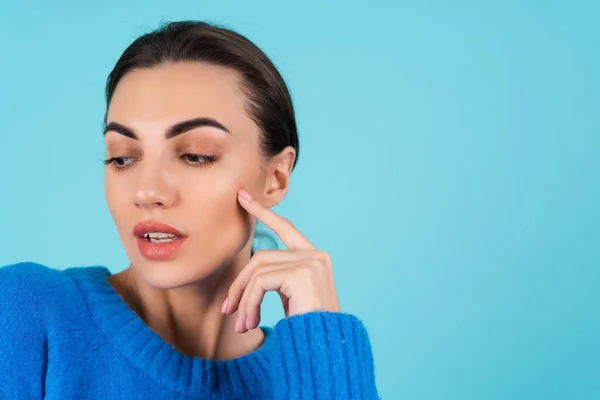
{"x": 163, "y": 197}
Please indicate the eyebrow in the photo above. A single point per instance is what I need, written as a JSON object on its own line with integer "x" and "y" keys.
{"x": 177, "y": 129}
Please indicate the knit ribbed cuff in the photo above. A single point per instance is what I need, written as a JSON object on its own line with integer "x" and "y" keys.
{"x": 324, "y": 355}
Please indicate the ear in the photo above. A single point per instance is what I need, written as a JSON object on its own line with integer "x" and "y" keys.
{"x": 277, "y": 180}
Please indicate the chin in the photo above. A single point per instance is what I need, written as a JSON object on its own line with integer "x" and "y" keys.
{"x": 177, "y": 272}
{"x": 169, "y": 274}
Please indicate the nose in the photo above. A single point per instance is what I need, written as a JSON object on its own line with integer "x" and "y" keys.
{"x": 153, "y": 189}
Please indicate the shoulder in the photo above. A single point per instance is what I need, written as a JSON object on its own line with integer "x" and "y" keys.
{"x": 26, "y": 274}
{"x": 40, "y": 306}
{"x": 24, "y": 271}
{"x": 27, "y": 279}
{"x": 33, "y": 288}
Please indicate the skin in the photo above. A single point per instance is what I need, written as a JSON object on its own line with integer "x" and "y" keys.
{"x": 202, "y": 300}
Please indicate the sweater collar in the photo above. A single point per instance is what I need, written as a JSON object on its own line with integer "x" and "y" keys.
{"x": 242, "y": 377}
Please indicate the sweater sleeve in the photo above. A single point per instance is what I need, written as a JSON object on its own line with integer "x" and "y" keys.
{"x": 323, "y": 355}
{"x": 22, "y": 333}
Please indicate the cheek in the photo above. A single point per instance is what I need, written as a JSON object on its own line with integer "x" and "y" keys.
{"x": 215, "y": 198}
{"x": 115, "y": 200}
{"x": 220, "y": 220}
{"x": 109, "y": 194}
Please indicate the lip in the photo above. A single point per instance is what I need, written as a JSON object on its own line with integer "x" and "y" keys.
{"x": 152, "y": 226}
{"x": 158, "y": 251}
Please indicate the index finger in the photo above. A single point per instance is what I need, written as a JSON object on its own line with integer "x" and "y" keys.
{"x": 283, "y": 228}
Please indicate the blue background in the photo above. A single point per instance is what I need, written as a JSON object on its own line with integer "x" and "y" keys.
{"x": 449, "y": 164}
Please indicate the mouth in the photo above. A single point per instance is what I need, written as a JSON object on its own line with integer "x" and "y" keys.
{"x": 157, "y": 232}
{"x": 159, "y": 237}
{"x": 158, "y": 241}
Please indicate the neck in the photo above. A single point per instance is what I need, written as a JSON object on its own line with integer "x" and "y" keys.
{"x": 189, "y": 317}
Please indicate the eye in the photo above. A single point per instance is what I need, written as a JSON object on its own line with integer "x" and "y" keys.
{"x": 197, "y": 160}
{"x": 119, "y": 162}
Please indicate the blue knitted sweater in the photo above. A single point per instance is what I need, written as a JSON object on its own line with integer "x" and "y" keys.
{"x": 68, "y": 335}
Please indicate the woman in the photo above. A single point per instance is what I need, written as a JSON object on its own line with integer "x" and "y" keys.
{"x": 201, "y": 140}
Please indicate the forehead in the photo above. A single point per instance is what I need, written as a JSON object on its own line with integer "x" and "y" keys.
{"x": 172, "y": 92}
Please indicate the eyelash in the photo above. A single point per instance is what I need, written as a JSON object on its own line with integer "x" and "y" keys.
{"x": 205, "y": 160}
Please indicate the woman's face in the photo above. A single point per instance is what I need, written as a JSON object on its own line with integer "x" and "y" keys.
{"x": 187, "y": 176}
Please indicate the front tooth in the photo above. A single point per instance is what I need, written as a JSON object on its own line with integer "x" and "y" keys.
{"x": 166, "y": 240}
{"x": 160, "y": 237}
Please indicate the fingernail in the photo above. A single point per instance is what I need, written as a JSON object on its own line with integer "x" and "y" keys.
{"x": 247, "y": 323}
{"x": 224, "y": 306}
{"x": 245, "y": 194}
{"x": 237, "y": 325}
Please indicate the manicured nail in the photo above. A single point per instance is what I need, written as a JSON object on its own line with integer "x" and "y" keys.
{"x": 224, "y": 306}
{"x": 245, "y": 194}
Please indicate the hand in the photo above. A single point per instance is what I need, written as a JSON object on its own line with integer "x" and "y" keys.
{"x": 301, "y": 275}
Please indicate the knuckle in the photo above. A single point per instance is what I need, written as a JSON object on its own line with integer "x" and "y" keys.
{"x": 306, "y": 272}
{"x": 289, "y": 224}
{"x": 256, "y": 280}
{"x": 324, "y": 257}
{"x": 259, "y": 257}
{"x": 251, "y": 282}
{"x": 254, "y": 291}
{"x": 259, "y": 276}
